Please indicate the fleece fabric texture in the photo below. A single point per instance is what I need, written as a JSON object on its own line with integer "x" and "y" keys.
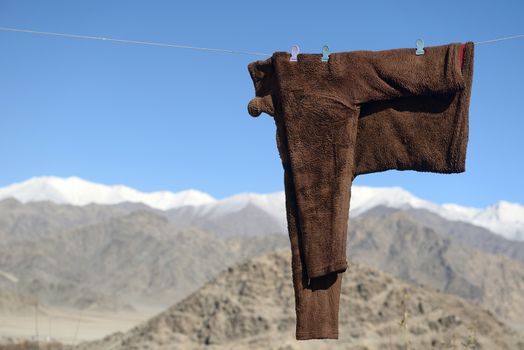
{"x": 360, "y": 112}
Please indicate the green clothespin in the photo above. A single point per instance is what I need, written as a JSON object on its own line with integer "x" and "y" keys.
{"x": 325, "y": 53}
{"x": 420, "y": 47}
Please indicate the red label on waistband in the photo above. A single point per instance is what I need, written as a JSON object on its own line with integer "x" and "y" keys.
{"x": 462, "y": 55}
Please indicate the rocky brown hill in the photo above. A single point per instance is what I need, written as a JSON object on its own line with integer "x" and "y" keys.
{"x": 251, "y": 306}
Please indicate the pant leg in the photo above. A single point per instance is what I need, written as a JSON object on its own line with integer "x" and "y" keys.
{"x": 320, "y": 128}
{"x": 316, "y": 138}
{"x": 316, "y": 300}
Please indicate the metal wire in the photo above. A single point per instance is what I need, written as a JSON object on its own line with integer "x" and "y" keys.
{"x": 500, "y": 39}
{"x": 76, "y": 36}
{"x": 151, "y": 43}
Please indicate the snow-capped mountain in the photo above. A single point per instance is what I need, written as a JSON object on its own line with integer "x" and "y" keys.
{"x": 76, "y": 191}
{"x": 364, "y": 198}
{"x": 504, "y": 218}
{"x": 272, "y": 203}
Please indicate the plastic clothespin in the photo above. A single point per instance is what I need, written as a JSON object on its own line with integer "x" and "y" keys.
{"x": 420, "y": 47}
{"x": 325, "y": 53}
{"x": 295, "y": 49}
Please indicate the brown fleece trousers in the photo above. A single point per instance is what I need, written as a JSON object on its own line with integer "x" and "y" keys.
{"x": 360, "y": 112}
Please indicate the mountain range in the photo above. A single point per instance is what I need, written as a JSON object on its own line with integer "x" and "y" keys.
{"x": 503, "y": 218}
{"x": 138, "y": 257}
{"x": 121, "y": 262}
{"x": 128, "y": 256}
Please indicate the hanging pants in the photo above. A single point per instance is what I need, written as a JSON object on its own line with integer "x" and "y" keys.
{"x": 360, "y": 112}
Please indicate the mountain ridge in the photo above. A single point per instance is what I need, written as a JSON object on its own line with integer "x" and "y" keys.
{"x": 502, "y": 217}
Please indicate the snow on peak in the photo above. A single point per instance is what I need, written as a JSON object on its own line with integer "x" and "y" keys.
{"x": 364, "y": 198}
{"x": 504, "y": 218}
{"x": 504, "y": 210}
{"x": 272, "y": 203}
{"x": 76, "y": 191}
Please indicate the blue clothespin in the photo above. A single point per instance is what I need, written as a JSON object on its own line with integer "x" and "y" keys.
{"x": 420, "y": 47}
{"x": 294, "y": 52}
{"x": 325, "y": 53}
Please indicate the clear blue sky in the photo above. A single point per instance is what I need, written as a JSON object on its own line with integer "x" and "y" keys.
{"x": 170, "y": 119}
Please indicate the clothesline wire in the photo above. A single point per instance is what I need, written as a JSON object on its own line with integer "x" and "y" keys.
{"x": 152, "y": 43}
{"x": 500, "y": 39}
